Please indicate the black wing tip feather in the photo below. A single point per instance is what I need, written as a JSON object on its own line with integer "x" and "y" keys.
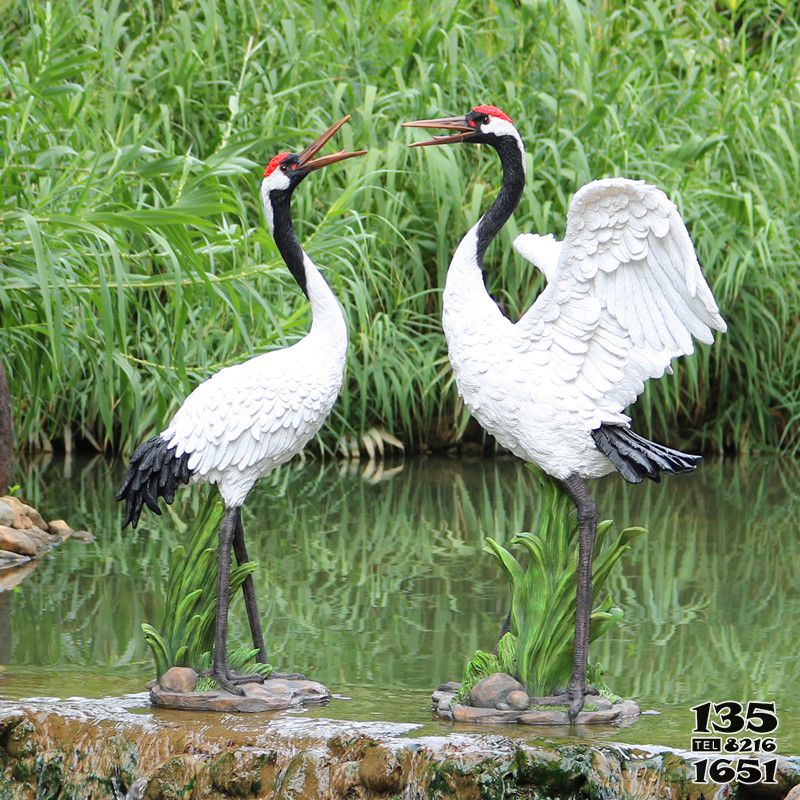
{"x": 637, "y": 458}
{"x": 154, "y": 472}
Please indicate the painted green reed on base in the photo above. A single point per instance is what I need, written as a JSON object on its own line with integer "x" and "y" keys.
{"x": 537, "y": 649}
{"x": 187, "y": 633}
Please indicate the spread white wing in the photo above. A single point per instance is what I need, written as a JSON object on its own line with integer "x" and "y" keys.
{"x": 626, "y": 296}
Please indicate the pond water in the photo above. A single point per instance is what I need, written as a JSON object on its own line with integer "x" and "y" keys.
{"x": 372, "y": 580}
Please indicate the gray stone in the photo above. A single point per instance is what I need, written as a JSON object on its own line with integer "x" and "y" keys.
{"x": 544, "y": 717}
{"x": 6, "y": 514}
{"x": 597, "y": 717}
{"x": 602, "y": 703}
{"x": 488, "y": 692}
{"x": 503, "y": 707}
{"x": 518, "y": 700}
{"x": 483, "y": 715}
{"x": 451, "y": 687}
{"x": 179, "y": 679}
{"x": 628, "y": 708}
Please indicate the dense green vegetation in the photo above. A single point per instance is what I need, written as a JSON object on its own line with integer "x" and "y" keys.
{"x": 135, "y": 261}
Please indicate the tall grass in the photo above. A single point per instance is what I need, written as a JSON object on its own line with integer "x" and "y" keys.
{"x": 134, "y": 260}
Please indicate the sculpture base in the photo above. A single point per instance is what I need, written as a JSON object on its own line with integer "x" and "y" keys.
{"x": 540, "y": 710}
{"x": 274, "y": 694}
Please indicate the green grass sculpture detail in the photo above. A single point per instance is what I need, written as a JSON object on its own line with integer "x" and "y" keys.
{"x": 187, "y": 633}
{"x": 537, "y": 650}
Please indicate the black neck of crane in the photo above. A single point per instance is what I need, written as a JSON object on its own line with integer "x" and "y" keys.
{"x": 285, "y": 238}
{"x": 509, "y": 195}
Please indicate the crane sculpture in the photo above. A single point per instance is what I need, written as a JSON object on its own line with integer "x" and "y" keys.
{"x": 249, "y": 418}
{"x": 624, "y": 296}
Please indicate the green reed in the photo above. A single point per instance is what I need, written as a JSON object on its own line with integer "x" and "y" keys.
{"x": 134, "y": 259}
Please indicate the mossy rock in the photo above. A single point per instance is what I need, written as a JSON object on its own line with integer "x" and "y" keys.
{"x": 175, "y": 779}
{"x": 381, "y": 771}
{"x": 243, "y": 773}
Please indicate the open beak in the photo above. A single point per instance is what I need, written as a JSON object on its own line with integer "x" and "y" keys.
{"x": 445, "y": 123}
{"x": 306, "y": 159}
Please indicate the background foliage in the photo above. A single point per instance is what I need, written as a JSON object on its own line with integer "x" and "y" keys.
{"x": 133, "y": 256}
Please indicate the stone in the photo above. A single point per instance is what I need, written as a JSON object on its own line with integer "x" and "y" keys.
{"x": 242, "y": 773}
{"x": 35, "y": 517}
{"x": 597, "y": 717}
{"x": 451, "y": 687}
{"x": 179, "y": 679}
{"x": 494, "y": 689}
{"x": 272, "y": 695}
{"x": 42, "y": 541}
{"x": 544, "y": 717}
{"x": 518, "y": 700}
{"x": 60, "y": 528}
{"x": 173, "y": 780}
{"x": 6, "y": 514}
{"x": 794, "y": 794}
{"x": 85, "y": 537}
{"x": 9, "y": 719}
{"x": 602, "y": 703}
{"x": 16, "y": 541}
{"x": 628, "y": 708}
{"x": 21, "y": 520}
{"x": 381, "y": 772}
{"x": 503, "y": 707}
{"x": 483, "y": 715}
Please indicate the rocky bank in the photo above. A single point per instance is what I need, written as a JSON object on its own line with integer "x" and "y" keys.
{"x": 81, "y": 749}
{"x": 24, "y": 535}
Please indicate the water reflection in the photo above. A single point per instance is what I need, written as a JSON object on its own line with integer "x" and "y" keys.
{"x": 376, "y": 577}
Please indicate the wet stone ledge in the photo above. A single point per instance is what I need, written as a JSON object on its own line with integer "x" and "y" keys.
{"x": 114, "y": 748}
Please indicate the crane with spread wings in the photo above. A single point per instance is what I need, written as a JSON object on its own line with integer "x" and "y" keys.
{"x": 624, "y": 296}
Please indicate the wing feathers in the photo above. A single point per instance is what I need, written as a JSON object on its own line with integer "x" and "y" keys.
{"x": 627, "y": 295}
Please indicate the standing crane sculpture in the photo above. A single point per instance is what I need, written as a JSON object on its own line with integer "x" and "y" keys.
{"x": 247, "y": 419}
{"x": 624, "y": 296}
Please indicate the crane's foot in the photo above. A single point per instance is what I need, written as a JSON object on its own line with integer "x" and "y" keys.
{"x": 237, "y": 680}
{"x": 224, "y": 680}
{"x": 229, "y": 681}
{"x": 577, "y": 695}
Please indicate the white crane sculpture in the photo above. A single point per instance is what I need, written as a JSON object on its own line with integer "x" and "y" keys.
{"x": 247, "y": 419}
{"x": 624, "y": 296}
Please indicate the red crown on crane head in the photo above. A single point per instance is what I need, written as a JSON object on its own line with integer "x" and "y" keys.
{"x": 493, "y": 111}
{"x": 274, "y": 164}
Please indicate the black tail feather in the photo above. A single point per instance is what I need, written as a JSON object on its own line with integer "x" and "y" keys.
{"x": 154, "y": 472}
{"x": 636, "y": 458}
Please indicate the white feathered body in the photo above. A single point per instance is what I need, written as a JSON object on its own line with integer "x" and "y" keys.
{"x": 625, "y": 295}
{"x": 250, "y": 418}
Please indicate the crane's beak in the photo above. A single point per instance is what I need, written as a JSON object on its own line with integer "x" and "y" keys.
{"x": 445, "y": 123}
{"x": 308, "y": 163}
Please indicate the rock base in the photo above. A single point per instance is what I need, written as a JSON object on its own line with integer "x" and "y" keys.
{"x": 25, "y": 536}
{"x": 274, "y": 694}
{"x": 537, "y": 710}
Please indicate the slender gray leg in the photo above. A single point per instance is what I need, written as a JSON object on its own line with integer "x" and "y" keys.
{"x": 587, "y": 527}
{"x": 219, "y": 662}
{"x": 248, "y": 590}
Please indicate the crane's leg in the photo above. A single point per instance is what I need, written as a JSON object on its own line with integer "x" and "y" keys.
{"x": 219, "y": 661}
{"x": 587, "y": 528}
{"x": 248, "y": 590}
